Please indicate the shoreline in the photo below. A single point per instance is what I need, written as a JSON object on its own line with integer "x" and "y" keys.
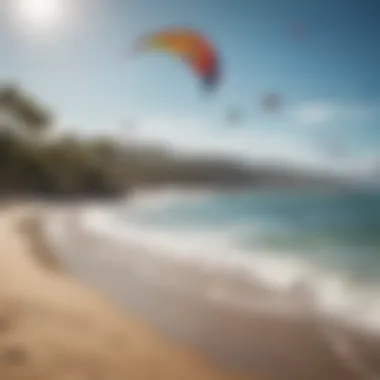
{"x": 32, "y": 228}
{"x": 54, "y": 327}
{"x": 282, "y": 283}
{"x": 262, "y": 343}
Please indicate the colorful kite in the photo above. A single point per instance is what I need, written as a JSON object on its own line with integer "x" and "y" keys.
{"x": 188, "y": 45}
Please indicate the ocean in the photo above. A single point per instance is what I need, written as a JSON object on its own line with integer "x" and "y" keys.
{"x": 323, "y": 246}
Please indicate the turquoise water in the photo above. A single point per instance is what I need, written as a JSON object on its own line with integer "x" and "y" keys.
{"x": 336, "y": 231}
{"x": 326, "y": 244}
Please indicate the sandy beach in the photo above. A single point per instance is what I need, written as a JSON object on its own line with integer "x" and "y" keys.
{"x": 94, "y": 314}
{"x": 53, "y": 327}
{"x": 261, "y": 344}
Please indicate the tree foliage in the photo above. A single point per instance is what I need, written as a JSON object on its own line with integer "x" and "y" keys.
{"x": 100, "y": 166}
{"x": 68, "y": 166}
{"x": 24, "y": 110}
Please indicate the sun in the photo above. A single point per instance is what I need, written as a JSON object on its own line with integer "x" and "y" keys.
{"x": 38, "y": 15}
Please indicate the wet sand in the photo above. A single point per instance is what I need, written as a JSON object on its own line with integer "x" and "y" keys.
{"x": 176, "y": 300}
{"x": 54, "y": 328}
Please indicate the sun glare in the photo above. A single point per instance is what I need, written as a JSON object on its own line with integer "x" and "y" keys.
{"x": 38, "y": 15}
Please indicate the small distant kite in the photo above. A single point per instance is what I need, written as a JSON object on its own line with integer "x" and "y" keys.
{"x": 299, "y": 31}
{"x": 233, "y": 116}
{"x": 271, "y": 102}
{"x": 190, "y": 46}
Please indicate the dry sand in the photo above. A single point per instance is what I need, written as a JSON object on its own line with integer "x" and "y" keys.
{"x": 52, "y": 327}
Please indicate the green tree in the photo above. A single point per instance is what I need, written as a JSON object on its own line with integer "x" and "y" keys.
{"x": 21, "y": 110}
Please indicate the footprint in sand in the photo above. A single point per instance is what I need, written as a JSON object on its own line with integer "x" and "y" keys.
{"x": 13, "y": 355}
{"x": 9, "y": 314}
{"x": 5, "y": 323}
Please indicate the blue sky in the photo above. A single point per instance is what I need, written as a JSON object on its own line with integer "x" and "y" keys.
{"x": 329, "y": 80}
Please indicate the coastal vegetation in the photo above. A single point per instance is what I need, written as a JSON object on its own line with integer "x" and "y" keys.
{"x": 36, "y": 161}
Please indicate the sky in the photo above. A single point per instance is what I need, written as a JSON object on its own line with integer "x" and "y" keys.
{"x": 328, "y": 79}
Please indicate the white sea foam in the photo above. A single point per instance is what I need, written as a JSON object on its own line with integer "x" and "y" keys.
{"x": 153, "y": 200}
{"x": 331, "y": 294}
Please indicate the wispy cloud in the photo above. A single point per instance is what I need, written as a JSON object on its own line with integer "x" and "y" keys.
{"x": 276, "y": 140}
{"x": 325, "y": 112}
{"x": 249, "y": 141}
{"x": 312, "y": 113}
{"x": 262, "y": 143}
